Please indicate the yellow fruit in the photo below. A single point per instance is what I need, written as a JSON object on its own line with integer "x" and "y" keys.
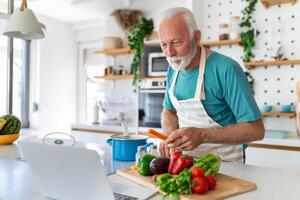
{"x": 2, "y": 123}
{"x": 134, "y": 167}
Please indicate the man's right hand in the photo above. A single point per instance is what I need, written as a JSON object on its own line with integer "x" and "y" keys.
{"x": 164, "y": 150}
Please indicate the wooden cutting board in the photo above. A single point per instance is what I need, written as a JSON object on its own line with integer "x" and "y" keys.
{"x": 227, "y": 186}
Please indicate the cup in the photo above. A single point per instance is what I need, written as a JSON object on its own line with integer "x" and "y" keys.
{"x": 267, "y": 108}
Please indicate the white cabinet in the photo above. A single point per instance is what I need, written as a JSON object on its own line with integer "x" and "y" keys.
{"x": 284, "y": 159}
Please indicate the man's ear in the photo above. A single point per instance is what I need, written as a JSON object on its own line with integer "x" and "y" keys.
{"x": 197, "y": 36}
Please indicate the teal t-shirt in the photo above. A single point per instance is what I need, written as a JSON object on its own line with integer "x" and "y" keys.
{"x": 228, "y": 97}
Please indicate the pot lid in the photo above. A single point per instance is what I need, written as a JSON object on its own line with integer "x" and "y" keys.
{"x": 130, "y": 137}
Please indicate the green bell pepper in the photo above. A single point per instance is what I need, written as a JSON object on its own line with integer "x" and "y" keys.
{"x": 144, "y": 164}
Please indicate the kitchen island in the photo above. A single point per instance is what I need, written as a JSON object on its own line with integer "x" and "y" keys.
{"x": 16, "y": 181}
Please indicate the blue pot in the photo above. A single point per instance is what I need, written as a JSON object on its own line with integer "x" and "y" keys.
{"x": 125, "y": 148}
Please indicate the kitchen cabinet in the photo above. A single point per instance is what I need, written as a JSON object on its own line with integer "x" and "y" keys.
{"x": 284, "y": 159}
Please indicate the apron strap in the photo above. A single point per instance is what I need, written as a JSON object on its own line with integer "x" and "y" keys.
{"x": 199, "y": 94}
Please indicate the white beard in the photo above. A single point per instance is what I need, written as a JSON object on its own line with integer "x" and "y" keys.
{"x": 184, "y": 61}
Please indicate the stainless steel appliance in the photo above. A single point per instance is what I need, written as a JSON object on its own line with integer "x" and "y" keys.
{"x": 157, "y": 64}
{"x": 151, "y": 95}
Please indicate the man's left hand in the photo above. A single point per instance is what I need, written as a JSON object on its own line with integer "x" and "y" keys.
{"x": 185, "y": 139}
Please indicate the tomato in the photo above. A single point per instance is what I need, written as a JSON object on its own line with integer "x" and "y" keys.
{"x": 211, "y": 180}
{"x": 199, "y": 185}
{"x": 197, "y": 172}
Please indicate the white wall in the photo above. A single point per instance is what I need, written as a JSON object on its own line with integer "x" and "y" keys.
{"x": 110, "y": 28}
{"x": 54, "y": 88}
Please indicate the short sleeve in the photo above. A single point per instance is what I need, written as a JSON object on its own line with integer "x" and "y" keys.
{"x": 238, "y": 94}
{"x": 167, "y": 101}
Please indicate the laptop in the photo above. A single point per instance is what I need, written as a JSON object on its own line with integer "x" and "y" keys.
{"x": 66, "y": 173}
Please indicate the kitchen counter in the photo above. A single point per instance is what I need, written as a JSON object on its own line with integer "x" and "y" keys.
{"x": 110, "y": 129}
{"x": 292, "y": 140}
{"x": 16, "y": 181}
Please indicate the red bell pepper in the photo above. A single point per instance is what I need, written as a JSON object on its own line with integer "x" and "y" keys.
{"x": 173, "y": 158}
{"x": 178, "y": 162}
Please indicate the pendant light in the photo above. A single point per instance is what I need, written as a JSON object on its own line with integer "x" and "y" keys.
{"x": 23, "y": 24}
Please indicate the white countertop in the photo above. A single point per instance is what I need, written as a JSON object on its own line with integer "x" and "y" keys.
{"x": 16, "y": 181}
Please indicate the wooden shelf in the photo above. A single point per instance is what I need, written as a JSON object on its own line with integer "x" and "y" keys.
{"x": 115, "y": 52}
{"x": 124, "y": 51}
{"x": 207, "y": 44}
{"x": 267, "y": 3}
{"x": 254, "y": 64}
{"x": 279, "y": 114}
{"x": 115, "y": 77}
{"x": 159, "y": 78}
{"x": 222, "y": 43}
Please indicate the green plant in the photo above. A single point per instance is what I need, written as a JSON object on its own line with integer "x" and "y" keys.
{"x": 136, "y": 37}
{"x": 250, "y": 81}
{"x": 249, "y": 32}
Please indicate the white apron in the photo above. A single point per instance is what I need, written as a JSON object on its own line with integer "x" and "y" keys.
{"x": 191, "y": 113}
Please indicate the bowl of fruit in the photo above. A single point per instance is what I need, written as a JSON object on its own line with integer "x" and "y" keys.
{"x": 10, "y": 127}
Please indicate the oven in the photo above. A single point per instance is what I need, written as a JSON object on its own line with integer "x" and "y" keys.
{"x": 151, "y": 96}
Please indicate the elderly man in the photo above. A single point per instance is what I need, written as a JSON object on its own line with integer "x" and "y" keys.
{"x": 208, "y": 106}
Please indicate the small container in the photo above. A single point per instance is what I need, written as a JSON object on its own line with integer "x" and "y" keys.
{"x": 234, "y": 28}
{"x": 141, "y": 150}
{"x": 153, "y": 150}
{"x": 267, "y": 108}
{"x": 223, "y": 31}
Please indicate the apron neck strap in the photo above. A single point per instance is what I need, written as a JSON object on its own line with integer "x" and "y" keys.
{"x": 199, "y": 94}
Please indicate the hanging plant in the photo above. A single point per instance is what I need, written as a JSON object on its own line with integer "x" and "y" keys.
{"x": 250, "y": 81}
{"x": 136, "y": 43}
{"x": 248, "y": 33}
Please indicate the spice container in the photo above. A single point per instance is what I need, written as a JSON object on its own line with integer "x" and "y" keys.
{"x": 234, "y": 32}
{"x": 223, "y": 31}
{"x": 141, "y": 150}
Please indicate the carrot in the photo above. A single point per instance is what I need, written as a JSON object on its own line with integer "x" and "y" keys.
{"x": 157, "y": 134}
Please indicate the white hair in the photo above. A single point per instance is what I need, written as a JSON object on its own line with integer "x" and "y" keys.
{"x": 188, "y": 17}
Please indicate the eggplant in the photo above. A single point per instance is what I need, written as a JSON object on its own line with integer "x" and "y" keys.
{"x": 159, "y": 165}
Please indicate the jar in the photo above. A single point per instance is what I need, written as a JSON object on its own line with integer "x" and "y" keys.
{"x": 153, "y": 150}
{"x": 234, "y": 32}
{"x": 223, "y": 31}
{"x": 141, "y": 150}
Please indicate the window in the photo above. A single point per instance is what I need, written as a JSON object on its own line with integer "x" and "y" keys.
{"x": 20, "y": 75}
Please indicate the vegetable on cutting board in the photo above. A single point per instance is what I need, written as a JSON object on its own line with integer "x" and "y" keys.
{"x": 191, "y": 179}
{"x": 156, "y": 134}
{"x": 144, "y": 164}
{"x": 159, "y": 165}
{"x": 178, "y": 162}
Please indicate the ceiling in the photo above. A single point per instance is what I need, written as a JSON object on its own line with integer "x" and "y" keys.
{"x": 74, "y": 11}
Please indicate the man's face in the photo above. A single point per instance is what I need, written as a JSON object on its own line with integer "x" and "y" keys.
{"x": 174, "y": 37}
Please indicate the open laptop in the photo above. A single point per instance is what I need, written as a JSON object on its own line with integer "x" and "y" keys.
{"x": 66, "y": 173}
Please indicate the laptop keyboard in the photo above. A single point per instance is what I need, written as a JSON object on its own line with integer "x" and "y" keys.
{"x": 123, "y": 197}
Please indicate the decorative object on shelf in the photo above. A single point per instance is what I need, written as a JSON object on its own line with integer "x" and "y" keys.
{"x": 286, "y": 108}
{"x": 250, "y": 80}
{"x": 112, "y": 43}
{"x": 125, "y": 19}
{"x": 223, "y": 31}
{"x": 10, "y": 127}
{"x": 234, "y": 27}
{"x": 136, "y": 42}
{"x": 249, "y": 32}
{"x": 267, "y": 3}
{"x": 277, "y": 53}
{"x": 267, "y": 108}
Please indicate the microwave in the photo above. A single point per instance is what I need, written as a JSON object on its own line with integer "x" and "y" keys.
{"x": 157, "y": 64}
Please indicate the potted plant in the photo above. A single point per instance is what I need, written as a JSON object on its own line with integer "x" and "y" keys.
{"x": 10, "y": 127}
{"x": 136, "y": 43}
